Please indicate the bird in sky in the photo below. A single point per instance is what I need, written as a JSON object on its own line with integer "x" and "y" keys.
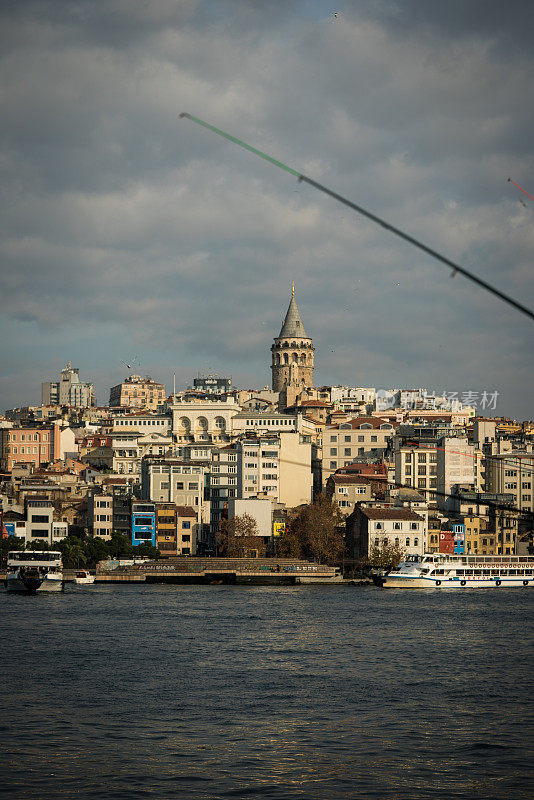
{"x": 132, "y": 365}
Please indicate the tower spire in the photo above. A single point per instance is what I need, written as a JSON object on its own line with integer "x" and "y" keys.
{"x": 293, "y": 289}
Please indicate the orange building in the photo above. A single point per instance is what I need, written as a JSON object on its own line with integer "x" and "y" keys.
{"x": 34, "y": 446}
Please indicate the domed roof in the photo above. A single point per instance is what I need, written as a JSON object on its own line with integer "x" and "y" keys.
{"x": 292, "y": 327}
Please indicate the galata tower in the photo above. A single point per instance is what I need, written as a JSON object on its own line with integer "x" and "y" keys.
{"x": 292, "y": 353}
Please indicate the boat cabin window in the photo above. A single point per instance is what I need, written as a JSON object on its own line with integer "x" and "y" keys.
{"x": 33, "y": 555}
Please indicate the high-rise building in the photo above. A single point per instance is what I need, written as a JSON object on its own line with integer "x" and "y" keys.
{"x": 68, "y": 391}
{"x": 292, "y": 353}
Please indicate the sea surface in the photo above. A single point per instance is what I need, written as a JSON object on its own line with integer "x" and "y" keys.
{"x": 273, "y": 692}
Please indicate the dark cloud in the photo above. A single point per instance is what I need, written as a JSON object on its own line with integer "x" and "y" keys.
{"x": 123, "y": 225}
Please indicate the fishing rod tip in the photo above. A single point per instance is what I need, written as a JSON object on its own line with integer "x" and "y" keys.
{"x": 185, "y": 114}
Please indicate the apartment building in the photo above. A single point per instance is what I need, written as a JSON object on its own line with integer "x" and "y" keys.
{"x": 348, "y": 490}
{"x": 138, "y": 392}
{"x": 512, "y": 473}
{"x": 33, "y": 446}
{"x": 184, "y": 483}
{"x": 100, "y": 515}
{"x": 359, "y": 438}
{"x": 369, "y": 527}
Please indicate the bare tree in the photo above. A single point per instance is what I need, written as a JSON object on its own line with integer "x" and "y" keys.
{"x": 386, "y": 555}
{"x": 237, "y": 536}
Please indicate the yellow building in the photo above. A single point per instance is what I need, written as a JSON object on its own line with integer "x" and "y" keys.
{"x": 478, "y": 539}
{"x": 137, "y": 392}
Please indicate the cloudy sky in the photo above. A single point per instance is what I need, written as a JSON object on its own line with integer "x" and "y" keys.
{"x": 127, "y": 231}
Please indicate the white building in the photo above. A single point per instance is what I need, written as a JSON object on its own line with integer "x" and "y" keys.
{"x": 259, "y": 509}
{"x": 203, "y": 421}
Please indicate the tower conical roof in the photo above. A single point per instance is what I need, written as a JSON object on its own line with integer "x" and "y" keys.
{"x": 292, "y": 327}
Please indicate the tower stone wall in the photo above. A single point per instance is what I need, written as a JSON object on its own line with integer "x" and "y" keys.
{"x": 292, "y": 361}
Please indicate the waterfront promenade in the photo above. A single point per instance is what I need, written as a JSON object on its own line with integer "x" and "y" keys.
{"x": 194, "y": 569}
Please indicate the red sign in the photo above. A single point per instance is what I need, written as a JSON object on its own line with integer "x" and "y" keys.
{"x": 446, "y": 542}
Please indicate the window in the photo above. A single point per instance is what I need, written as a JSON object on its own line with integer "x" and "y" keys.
{"x": 347, "y": 438}
{"x": 333, "y": 438}
{"x": 179, "y": 485}
{"x": 333, "y": 464}
{"x": 408, "y": 469}
{"x": 347, "y": 451}
{"x": 374, "y": 438}
{"x": 333, "y": 451}
{"x": 186, "y": 526}
{"x": 192, "y": 486}
{"x": 397, "y": 526}
{"x": 407, "y": 542}
{"x": 415, "y": 542}
{"x": 186, "y": 537}
{"x": 421, "y": 483}
{"x": 361, "y": 438}
{"x": 421, "y": 469}
{"x": 39, "y": 518}
{"x": 414, "y": 526}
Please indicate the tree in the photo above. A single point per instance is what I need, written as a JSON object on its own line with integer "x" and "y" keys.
{"x": 96, "y": 549}
{"x": 9, "y": 543}
{"x": 146, "y": 550}
{"x": 386, "y": 555}
{"x": 120, "y": 546}
{"x": 73, "y": 552}
{"x": 237, "y": 536}
{"x": 315, "y": 532}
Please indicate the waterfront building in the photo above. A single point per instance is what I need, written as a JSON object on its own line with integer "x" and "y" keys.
{"x": 40, "y": 523}
{"x": 177, "y": 529}
{"x": 184, "y": 483}
{"x": 143, "y": 523}
{"x": 376, "y": 526}
{"x": 189, "y": 533}
{"x": 166, "y": 528}
{"x": 138, "y": 392}
{"x": 100, "y": 515}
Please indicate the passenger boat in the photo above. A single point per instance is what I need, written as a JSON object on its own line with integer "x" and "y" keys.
{"x": 33, "y": 571}
{"x": 83, "y": 578}
{"x": 444, "y": 571}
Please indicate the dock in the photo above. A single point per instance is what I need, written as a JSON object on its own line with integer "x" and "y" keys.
{"x": 199, "y": 570}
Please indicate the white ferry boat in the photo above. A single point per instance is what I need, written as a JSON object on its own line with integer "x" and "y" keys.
{"x": 84, "y": 578}
{"x": 444, "y": 571}
{"x": 34, "y": 571}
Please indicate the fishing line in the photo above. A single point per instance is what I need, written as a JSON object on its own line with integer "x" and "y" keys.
{"x": 360, "y": 210}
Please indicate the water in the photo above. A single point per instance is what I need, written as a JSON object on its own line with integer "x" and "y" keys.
{"x": 291, "y": 692}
